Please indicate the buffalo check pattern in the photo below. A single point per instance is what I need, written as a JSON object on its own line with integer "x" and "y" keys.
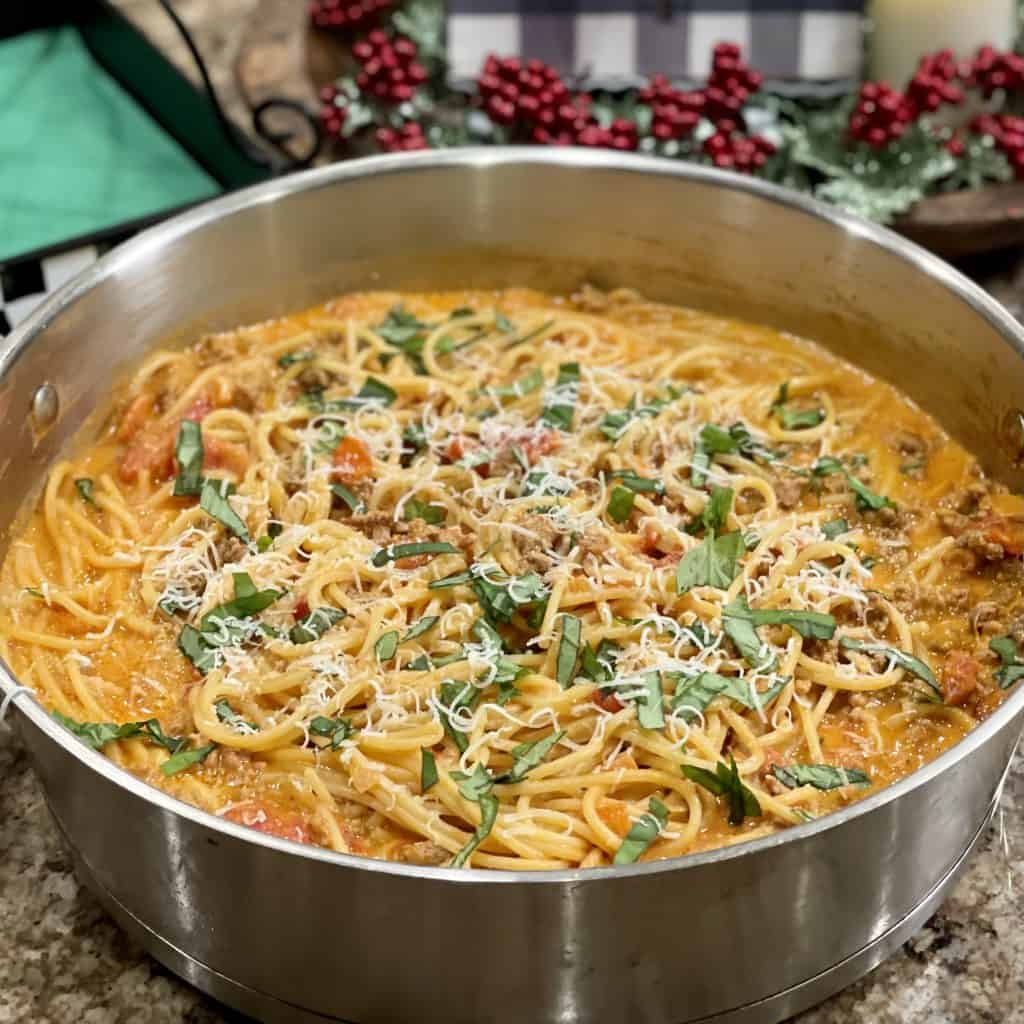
{"x": 609, "y": 42}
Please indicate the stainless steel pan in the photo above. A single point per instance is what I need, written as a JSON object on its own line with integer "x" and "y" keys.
{"x": 289, "y": 933}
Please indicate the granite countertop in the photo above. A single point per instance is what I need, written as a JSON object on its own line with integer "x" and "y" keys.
{"x": 63, "y": 961}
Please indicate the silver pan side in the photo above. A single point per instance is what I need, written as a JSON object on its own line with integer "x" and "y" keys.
{"x": 351, "y": 939}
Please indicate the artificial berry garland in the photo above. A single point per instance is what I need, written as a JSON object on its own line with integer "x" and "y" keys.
{"x": 876, "y": 152}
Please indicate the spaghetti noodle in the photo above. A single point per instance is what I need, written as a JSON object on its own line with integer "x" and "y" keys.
{"x": 510, "y": 581}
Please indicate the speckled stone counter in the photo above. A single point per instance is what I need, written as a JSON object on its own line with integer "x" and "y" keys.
{"x": 62, "y": 961}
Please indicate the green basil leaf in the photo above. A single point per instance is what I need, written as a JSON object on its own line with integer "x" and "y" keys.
{"x": 337, "y": 730}
{"x": 456, "y": 579}
{"x": 536, "y": 332}
{"x": 375, "y": 392}
{"x": 738, "y": 624}
{"x": 503, "y": 323}
{"x": 532, "y": 381}
{"x": 866, "y": 498}
{"x": 643, "y": 832}
{"x": 400, "y": 328}
{"x": 501, "y": 600}
{"x": 428, "y": 770}
{"x": 291, "y": 358}
{"x": 355, "y": 504}
{"x": 835, "y": 528}
{"x": 802, "y": 419}
{"x": 248, "y": 601}
{"x": 811, "y": 625}
{"x": 725, "y": 782}
{"x": 639, "y": 484}
{"x": 644, "y": 690}
{"x": 907, "y": 662}
{"x": 716, "y": 441}
{"x": 599, "y": 665}
{"x": 827, "y": 465}
{"x": 424, "y": 625}
{"x": 186, "y": 759}
{"x": 821, "y": 776}
{"x": 83, "y": 485}
{"x": 620, "y": 504}
{"x": 488, "y": 816}
{"x": 560, "y": 402}
{"x": 98, "y": 734}
{"x": 614, "y": 424}
{"x": 528, "y": 756}
{"x": 231, "y": 718}
{"x": 189, "y": 453}
{"x": 213, "y": 500}
{"x": 387, "y": 645}
{"x": 195, "y": 648}
{"x": 330, "y": 436}
{"x": 695, "y": 693}
{"x": 568, "y": 650}
{"x": 315, "y": 624}
{"x": 414, "y": 438}
{"x": 714, "y": 562}
{"x": 1012, "y": 667}
{"x": 432, "y": 514}
{"x": 398, "y": 551}
{"x": 715, "y": 515}
{"x": 454, "y": 696}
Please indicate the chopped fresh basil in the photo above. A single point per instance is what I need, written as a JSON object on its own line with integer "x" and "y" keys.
{"x": 527, "y": 756}
{"x": 264, "y": 544}
{"x": 387, "y": 645}
{"x": 715, "y": 514}
{"x": 811, "y": 625}
{"x": 456, "y": 579}
{"x": 476, "y": 787}
{"x": 213, "y": 500}
{"x": 428, "y": 770}
{"x": 329, "y": 437}
{"x": 694, "y": 693}
{"x": 821, "y": 776}
{"x": 620, "y": 504}
{"x": 337, "y": 730}
{"x": 835, "y": 528}
{"x": 315, "y": 624}
{"x": 375, "y": 392}
{"x": 248, "y": 601}
{"x": 1012, "y": 667}
{"x": 98, "y": 734}
{"x": 189, "y": 453}
{"x": 794, "y": 420}
{"x": 907, "y": 662}
{"x": 541, "y": 483}
{"x": 453, "y": 697}
{"x": 414, "y": 438}
{"x": 739, "y": 628}
{"x": 614, "y": 424}
{"x": 432, "y": 514}
{"x": 400, "y": 326}
{"x": 560, "y": 402}
{"x": 503, "y": 323}
{"x": 568, "y": 650}
{"x": 395, "y": 552}
{"x": 355, "y": 504}
{"x": 714, "y": 562}
{"x": 427, "y": 623}
{"x": 725, "y": 781}
{"x": 639, "y": 484}
{"x": 866, "y": 499}
{"x": 645, "y": 691}
{"x": 231, "y": 718}
{"x": 195, "y": 648}
{"x": 643, "y": 832}
{"x": 532, "y": 381}
{"x": 501, "y": 599}
{"x": 291, "y": 358}
{"x": 83, "y": 485}
{"x": 599, "y": 665}
{"x": 185, "y": 759}
{"x": 536, "y": 332}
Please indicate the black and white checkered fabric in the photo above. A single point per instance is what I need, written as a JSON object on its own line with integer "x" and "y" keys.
{"x": 612, "y": 42}
{"x": 25, "y": 283}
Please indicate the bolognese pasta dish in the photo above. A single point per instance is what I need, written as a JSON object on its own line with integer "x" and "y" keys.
{"x": 505, "y": 580}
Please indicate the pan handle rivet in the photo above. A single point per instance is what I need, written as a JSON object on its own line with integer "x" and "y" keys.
{"x": 45, "y": 406}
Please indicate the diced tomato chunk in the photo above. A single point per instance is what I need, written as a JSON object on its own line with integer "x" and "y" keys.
{"x": 352, "y": 460}
{"x": 1005, "y": 531}
{"x": 615, "y": 815}
{"x": 259, "y": 815}
{"x": 219, "y": 454}
{"x": 138, "y": 412}
{"x": 301, "y": 609}
{"x": 153, "y": 454}
{"x": 607, "y": 701}
{"x": 959, "y": 677}
{"x": 538, "y": 443}
{"x": 459, "y": 447}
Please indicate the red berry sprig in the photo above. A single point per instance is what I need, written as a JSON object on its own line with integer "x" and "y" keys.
{"x": 347, "y": 15}
{"x": 390, "y": 72}
{"x": 332, "y": 111}
{"x": 881, "y": 115}
{"x": 991, "y": 71}
{"x": 731, "y": 83}
{"x": 531, "y": 99}
{"x": 731, "y": 150}
{"x": 933, "y": 83}
{"x": 1008, "y": 134}
{"x": 402, "y": 140}
{"x": 674, "y": 114}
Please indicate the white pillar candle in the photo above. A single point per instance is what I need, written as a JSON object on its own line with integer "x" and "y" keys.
{"x": 906, "y": 30}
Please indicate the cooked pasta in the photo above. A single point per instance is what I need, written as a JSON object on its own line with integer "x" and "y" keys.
{"x": 510, "y": 581}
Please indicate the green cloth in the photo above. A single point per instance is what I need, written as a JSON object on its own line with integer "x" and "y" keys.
{"x": 77, "y": 153}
